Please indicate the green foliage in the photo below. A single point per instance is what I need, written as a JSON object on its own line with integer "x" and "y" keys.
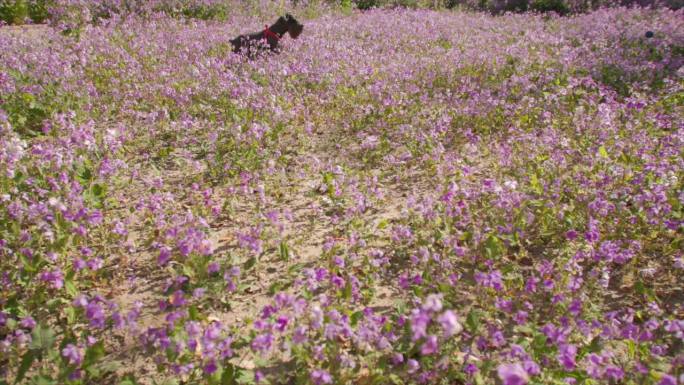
{"x": 614, "y": 77}
{"x": 218, "y": 12}
{"x": 17, "y": 11}
{"x": 368, "y": 4}
{"x": 13, "y": 11}
{"x": 38, "y": 10}
{"x": 558, "y": 6}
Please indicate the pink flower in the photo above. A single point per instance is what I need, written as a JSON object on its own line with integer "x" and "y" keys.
{"x": 73, "y": 354}
{"x": 512, "y": 374}
{"x": 430, "y": 346}
{"x": 449, "y": 323}
{"x": 320, "y": 377}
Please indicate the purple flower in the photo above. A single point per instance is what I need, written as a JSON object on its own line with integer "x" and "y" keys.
{"x": 73, "y": 354}
{"x": 594, "y": 365}
{"x": 433, "y": 303}
{"x": 164, "y": 256}
{"x": 210, "y": 367}
{"x": 667, "y": 379}
{"x": 419, "y": 323}
{"x": 262, "y": 342}
{"x": 397, "y": 358}
{"x": 566, "y": 356}
{"x": 213, "y": 267}
{"x": 337, "y": 281}
{"x": 512, "y": 374}
{"x": 281, "y": 323}
{"x": 449, "y": 323}
{"x": 95, "y": 264}
{"x": 178, "y": 298}
{"x": 225, "y": 348}
{"x": 592, "y": 236}
{"x": 199, "y": 292}
{"x": 614, "y": 373}
{"x": 95, "y": 315}
{"x": 531, "y": 367}
{"x": 76, "y": 375}
{"x": 470, "y": 369}
{"x": 430, "y": 346}
{"x": 55, "y": 278}
{"x": 520, "y": 317}
{"x": 212, "y": 332}
{"x": 413, "y": 365}
{"x": 320, "y": 376}
{"x": 79, "y": 264}
{"x": 300, "y": 335}
{"x": 498, "y": 338}
{"x": 80, "y": 301}
{"x": 28, "y": 322}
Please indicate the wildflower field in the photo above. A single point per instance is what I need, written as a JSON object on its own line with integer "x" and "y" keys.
{"x": 399, "y": 197}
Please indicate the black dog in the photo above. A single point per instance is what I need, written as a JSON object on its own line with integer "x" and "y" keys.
{"x": 269, "y": 38}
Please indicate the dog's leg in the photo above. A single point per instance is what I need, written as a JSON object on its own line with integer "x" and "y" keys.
{"x": 237, "y": 44}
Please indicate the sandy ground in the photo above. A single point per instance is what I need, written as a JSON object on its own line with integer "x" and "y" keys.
{"x": 306, "y": 234}
{"x": 27, "y": 31}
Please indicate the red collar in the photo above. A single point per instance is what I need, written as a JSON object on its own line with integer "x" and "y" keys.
{"x": 268, "y": 33}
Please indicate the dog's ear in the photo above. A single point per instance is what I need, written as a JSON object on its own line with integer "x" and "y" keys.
{"x": 288, "y": 17}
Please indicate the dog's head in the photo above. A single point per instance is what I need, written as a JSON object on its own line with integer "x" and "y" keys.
{"x": 294, "y": 28}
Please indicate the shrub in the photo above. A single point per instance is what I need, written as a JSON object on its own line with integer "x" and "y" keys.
{"x": 206, "y": 12}
{"x": 38, "y": 11}
{"x": 18, "y": 11}
{"x": 13, "y": 11}
{"x": 557, "y": 6}
{"x": 614, "y": 77}
{"x": 368, "y": 4}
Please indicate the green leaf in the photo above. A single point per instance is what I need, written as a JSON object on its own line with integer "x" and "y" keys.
{"x": 70, "y": 315}
{"x": 602, "y": 152}
{"x": 128, "y": 382}
{"x": 284, "y": 251}
{"x": 493, "y": 247}
{"x": 188, "y": 270}
{"x": 395, "y": 379}
{"x": 228, "y": 375}
{"x": 194, "y": 313}
{"x": 98, "y": 191}
{"x": 85, "y": 175}
{"x": 640, "y": 288}
{"x": 245, "y": 377}
{"x": 473, "y": 321}
{"x": 93, "y": 354}
{"x": 42, "y": 338}
{"x": 536, "y": 185}
{"x": 42, "y": 380}
{"x": 250, "y": 263}
{"x": 70, "y": 287}
{"x": 631, "y": 348}
{"x": 26, "y": 363}
{"x": 347, "y": 293}
{"x": 109, "y": 366}
{"x": 355, "y": 317}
